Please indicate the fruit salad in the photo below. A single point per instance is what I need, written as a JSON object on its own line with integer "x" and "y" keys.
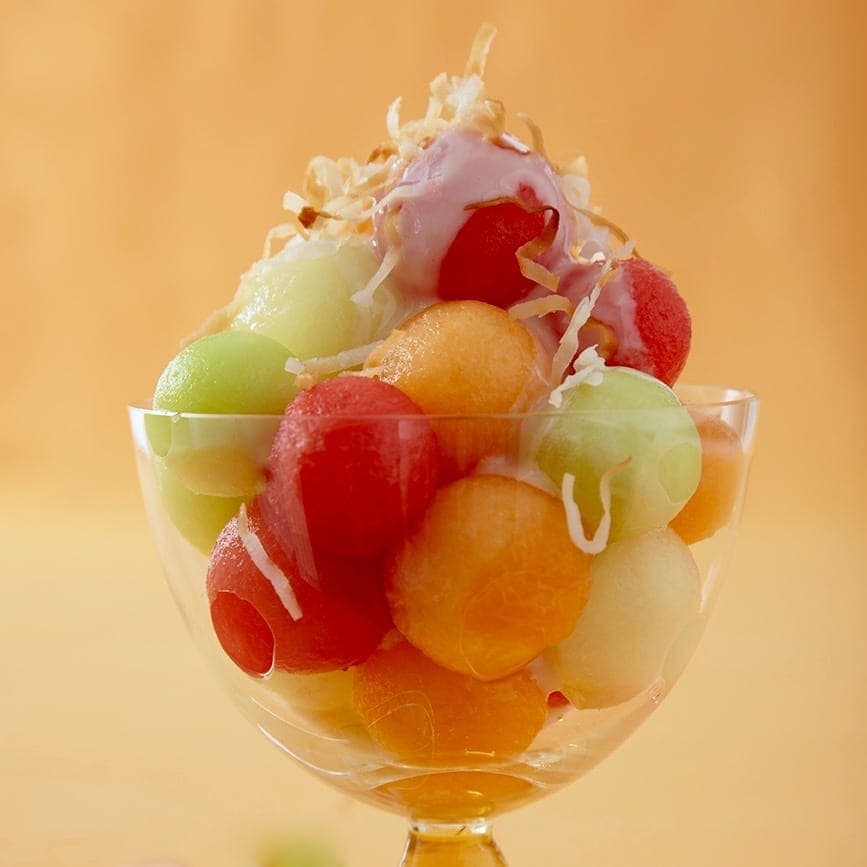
{"x": 432, "y": 452}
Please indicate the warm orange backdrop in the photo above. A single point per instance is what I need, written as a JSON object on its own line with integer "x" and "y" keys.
{"x": 145, "y": 146}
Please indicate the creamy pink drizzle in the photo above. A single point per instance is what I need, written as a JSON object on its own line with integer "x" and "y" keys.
{"x": 615, "y": 307}
{"x": 461, "y": 167}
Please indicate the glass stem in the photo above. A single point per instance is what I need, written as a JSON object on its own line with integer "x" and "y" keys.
{"x": 432, "y": 844}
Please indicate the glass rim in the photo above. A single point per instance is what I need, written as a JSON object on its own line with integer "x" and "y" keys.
{"x": 730, "y": 397}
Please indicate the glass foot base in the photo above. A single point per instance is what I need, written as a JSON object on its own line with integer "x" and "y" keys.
{"x": 452, "y": 845}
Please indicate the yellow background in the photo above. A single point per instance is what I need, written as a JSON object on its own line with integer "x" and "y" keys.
{"x": 145, "y": 146}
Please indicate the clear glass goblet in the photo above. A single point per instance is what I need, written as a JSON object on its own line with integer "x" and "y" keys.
{"x": 525, "y": 682}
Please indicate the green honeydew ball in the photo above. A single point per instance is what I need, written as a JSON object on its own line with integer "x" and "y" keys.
{"x": 198, "y": 517}
{"x": 629, "y": 415}
{"x": 231, "y": 378}
{"x": 302, "y": 297}
{"x": 644, "y": 601}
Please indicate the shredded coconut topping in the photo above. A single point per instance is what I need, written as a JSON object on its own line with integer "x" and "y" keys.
{"x": 364, "y": 297}
{"x": 535, "y": 132}
{"x": 598, "y": 220}
{"x": 403, "y": 192}
{"x": 589, "y": 368}
{"x": 309, "y": 371}
{"x": 254, "y": 547}
{"x": 540, "y": 307}
{"x": 527, "y": 253}
{"x": 577, "y": 166}
{"x": 481, "y": 47}
{"x": 573, "y": 513}
{"x": 568, "y": 347}
{"x": 281, "y": 232}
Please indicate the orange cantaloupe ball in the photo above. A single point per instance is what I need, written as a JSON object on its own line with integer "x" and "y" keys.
{"x": 489, "y": 577}
{"x": 424, "y": 713}
{"x": 466, "y": 358}
{"x": 723, "y": 465}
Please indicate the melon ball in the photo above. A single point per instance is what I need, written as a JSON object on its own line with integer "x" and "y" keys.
{"x": 482, "y": 261}
{"x": 354, "y": 463}
{"x": 222, "y": 375}
{"x": 199, "y": 518}
{"x": 451, "y": 248}
{"x": 423, "y": 713}
{"x": 465, "y": 358}
{"x": 302, "y": 297}
{"x": 629, "y": 415}
{"x": 645, "y": 590}
{"x": 723, "y": 468}
{"x": 290, "y": 617}
{"x": 640, "y": 319}
{"x": 229, "y": 372}
{"x": 489, "y": 578}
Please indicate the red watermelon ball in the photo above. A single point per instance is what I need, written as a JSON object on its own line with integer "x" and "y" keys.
{"x": 640, "y": 320}
{"x": 481, "y": 263}
{"x": 353, "y": 464}
{"x": 661, "y": 317}
{"x": 341, "y": 602}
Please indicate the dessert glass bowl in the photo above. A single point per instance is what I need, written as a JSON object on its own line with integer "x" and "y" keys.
{"x": 508, "y": 702}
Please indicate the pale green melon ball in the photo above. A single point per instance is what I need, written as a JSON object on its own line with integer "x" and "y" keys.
{"x": 198, "y": 517}
{"x": 230, "y": 372}
{"x": 628, "y": 415}
{"x": 302, "y": 297}
{"x": 645, "y": 592}
{"x": 217, "y": 455}
{"x": 232, "y": 377}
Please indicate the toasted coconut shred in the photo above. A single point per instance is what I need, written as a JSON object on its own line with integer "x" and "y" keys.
{"x": 364, "y": 296}
{"x": 568, "y": 348}
{"x": 274, "y": 574}
{"x": 597, "y": 219}
{"x": 541, "y": 307}
{"x": 527, "y": 253}
{"x": 599, "y": 540}
{"x": 589, "y": 367}
{"x": 311, "y": 370}
{"x": 281, "y": 232}
{"x": 535, "y": 132}
{"x": 404, "y": 192}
